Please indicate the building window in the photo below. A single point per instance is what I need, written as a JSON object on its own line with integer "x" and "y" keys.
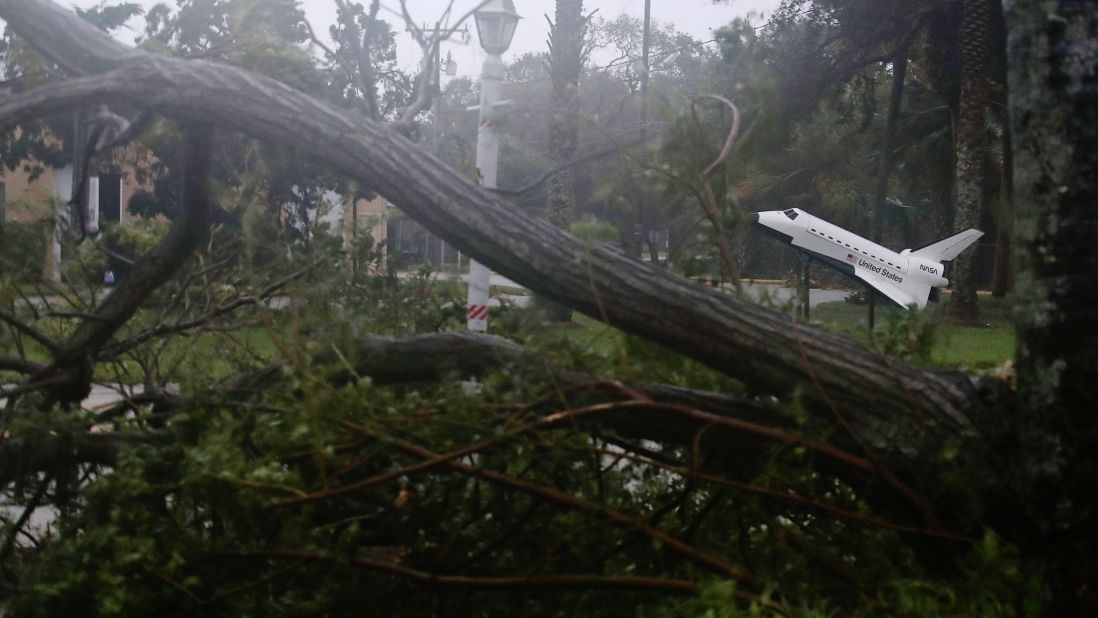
{"x": 110, "y": 198}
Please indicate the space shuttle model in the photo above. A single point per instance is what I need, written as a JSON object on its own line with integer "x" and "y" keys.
{"x": 906, "y": 277}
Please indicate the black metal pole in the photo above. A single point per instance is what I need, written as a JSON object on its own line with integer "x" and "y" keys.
{"x": 872, "y": 298}
{"x": 806, "y": 287}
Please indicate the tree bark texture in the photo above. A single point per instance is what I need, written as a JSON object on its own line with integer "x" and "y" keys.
{"x": 888, "y": 403}
{"x": 1002, "y": 281}
{"x": 970, "y": 144}
{"x": 1003, "y": 274}
{"x": 1054, "y": 100}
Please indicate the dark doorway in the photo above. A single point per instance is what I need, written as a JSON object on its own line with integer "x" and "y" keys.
{"x": 110, "y": 198}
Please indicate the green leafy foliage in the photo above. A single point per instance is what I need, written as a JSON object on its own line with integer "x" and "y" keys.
{"x": 909, "y": 334}
{"x": 24, "y": 247}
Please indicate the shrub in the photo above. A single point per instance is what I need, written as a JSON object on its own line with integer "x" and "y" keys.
{"x": 23, "y": 252}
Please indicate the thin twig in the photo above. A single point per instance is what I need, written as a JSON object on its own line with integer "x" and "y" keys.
{"x": 562, "y": 167}
{"x": 30, "y": 331}
{"x": 28, "y": 510}
{"x": 629, "y": 522}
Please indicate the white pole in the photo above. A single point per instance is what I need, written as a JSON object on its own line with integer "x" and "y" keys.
{"x": 476, "y": 308}
{"x": 62, "y": 190}
{"x": 91, "y": 214}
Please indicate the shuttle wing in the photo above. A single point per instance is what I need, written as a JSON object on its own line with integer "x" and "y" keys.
{"x": 948, "y": 248}
{"x": 904, "y": 294}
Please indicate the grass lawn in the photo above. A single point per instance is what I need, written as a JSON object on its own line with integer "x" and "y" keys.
{"x": 208, "y": 354}
{"x": 988, "y": 344}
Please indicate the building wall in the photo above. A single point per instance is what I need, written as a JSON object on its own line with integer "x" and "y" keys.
{"x": 371, "y": 219}
{"x": 29, "y": 200}
{"x": 24, "y": 199}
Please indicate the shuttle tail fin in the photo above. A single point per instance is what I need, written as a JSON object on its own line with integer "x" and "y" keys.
{"x": 948, "y": 248}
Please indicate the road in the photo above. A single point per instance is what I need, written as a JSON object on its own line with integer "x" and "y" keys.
{"x": 776, "y": 292}
{"x": 782, "y": 294}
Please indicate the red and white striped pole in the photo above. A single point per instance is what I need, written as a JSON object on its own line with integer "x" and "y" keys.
{"x": 476, "y": 307}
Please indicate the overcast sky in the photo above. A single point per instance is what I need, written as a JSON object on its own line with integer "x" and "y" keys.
{"x": 695, "y": 17}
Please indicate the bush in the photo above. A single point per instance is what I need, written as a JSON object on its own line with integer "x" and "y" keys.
{"x": 23, "y": 253}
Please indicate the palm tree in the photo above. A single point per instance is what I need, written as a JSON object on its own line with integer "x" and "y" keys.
{"x": 970, "y": 143}
{"x": 566, "y": 56}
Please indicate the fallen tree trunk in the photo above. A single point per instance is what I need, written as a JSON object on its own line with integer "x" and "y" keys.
{"x": 886, "y": 403}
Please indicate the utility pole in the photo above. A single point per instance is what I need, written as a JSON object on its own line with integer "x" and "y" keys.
{"x": 642, "y": 203}
{"x": 645, "y": 67}
{"x": 438, "y": 35}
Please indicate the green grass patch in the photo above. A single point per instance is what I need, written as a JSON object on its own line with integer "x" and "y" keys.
{"x": 989, "y": 343}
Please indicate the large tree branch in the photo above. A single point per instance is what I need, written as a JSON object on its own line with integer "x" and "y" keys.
{"x": 891, "y": 403}
{"x": 20, "y": 365}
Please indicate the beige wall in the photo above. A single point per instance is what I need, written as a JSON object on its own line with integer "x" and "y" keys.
{"x": 371, "y": 218}
{"x": 28, "y": 200}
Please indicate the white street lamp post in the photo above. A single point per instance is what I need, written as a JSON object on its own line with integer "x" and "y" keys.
{"x": 496, "y": 22}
